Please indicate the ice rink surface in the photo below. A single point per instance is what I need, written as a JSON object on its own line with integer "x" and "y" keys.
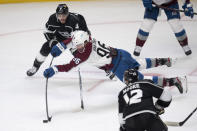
{"x": 116, "y": 23}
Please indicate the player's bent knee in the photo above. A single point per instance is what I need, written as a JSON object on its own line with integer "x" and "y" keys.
{"x": 147, "y": 25}
{"x": 175, "y": 25}
{"x": 45, "y": 50}
{"x": 47, "y": 46}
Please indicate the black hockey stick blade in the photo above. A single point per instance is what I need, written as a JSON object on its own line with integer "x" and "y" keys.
{"x": 48, "y": 120}
{"x": 170, "y": 123}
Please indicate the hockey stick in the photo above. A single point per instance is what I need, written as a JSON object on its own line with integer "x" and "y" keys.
{"x": 170, "y": 123}
{"x": 81, "y": 90}
{"x": 171, "y": 9}
{"x": 46, "y": 99}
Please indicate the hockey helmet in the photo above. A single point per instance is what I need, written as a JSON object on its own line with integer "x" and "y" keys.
{"x": 130, "y": 76}
{"x": 79, "y": 37}
{"x": 62, "y": 9}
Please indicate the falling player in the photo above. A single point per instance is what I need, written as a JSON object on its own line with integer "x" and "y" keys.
{"x": 107, "y": 58}
{"x": 58, "y": 28}
{"x": 150, "y": 17}
{"x": 137, "y": 111}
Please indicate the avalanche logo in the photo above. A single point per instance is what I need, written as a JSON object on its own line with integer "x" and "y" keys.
{"x": 76, "y": 60}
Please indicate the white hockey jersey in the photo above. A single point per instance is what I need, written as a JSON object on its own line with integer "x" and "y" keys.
{"x": 96, "y": 54}
{"x": 160, "y": 2}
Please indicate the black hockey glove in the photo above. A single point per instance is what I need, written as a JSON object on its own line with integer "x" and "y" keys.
{"x": 110, "y": 74}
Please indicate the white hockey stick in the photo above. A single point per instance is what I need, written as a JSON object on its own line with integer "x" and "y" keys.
{"x": 81, "y": 90}
{"x": 170, "y": 123}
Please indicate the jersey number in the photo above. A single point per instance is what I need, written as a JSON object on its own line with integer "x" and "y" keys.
{"x": 102, "y": 50}
{"x": 135, "y": 96}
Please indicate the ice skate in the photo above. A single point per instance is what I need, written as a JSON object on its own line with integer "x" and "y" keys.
{"x": 32, "y": 71}
{"x": 187, "y": 50}
{"x": 137, "y": 50}
{"x": 179, "y": 82}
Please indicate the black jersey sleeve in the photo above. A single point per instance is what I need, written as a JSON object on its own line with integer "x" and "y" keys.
{"x": 82, "y": 24}
{"x": 50, "y": 25}
{"x": 164, "y": 97}
{"x": 49, "y": 33}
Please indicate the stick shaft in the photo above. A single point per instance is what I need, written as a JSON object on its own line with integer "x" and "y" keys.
{"x": 172, "y": 9}
{"x": 46, "y": 95}
{"x": 170, "y": 123}
{"x": 188, "y": 116}
{"x": 81, "y": 89}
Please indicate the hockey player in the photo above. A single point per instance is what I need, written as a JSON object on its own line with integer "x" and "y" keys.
{"x": 173, "y": 17}
{"x": 137, "y": 111}
{"x": 112, "y": 60}
{"x": 58, "y": 28}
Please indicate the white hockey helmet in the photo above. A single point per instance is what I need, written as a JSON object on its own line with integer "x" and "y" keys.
{"x": 79, "y": 37}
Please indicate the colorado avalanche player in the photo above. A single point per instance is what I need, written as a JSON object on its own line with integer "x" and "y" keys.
{"x": 150, "y": 17}
{"x": 107, "y": 58}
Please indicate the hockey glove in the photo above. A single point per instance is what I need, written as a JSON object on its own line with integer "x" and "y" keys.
{"x": 147, "y": 4}
{"x": 122, "y": 122}
{"x": 188, "y": 8}
{"x": 58, "y": 49}
{"x": 50, "y": 72}
{"x": 159, "y": 109}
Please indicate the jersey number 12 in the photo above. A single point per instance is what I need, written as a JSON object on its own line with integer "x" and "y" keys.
{"x": 135, "y": 96}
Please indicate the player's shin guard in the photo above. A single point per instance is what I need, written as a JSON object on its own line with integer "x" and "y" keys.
{"x": 154, "y": 62}
{"x": 143, "y": 34}
{"x": 184, "y": 44}
{"x": 140, "y": 40}
{"x": 180, "y": 34}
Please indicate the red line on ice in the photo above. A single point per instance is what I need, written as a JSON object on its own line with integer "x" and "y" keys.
{"x": 91, "y": 24}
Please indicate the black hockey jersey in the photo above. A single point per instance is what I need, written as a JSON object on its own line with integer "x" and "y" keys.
{"x": 55, "y": 29}
{"x": 137, "y": 98}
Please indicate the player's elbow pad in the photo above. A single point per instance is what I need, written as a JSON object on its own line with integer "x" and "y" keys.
{"x": 163, "y": 104}
{"x": 165, "y": 98}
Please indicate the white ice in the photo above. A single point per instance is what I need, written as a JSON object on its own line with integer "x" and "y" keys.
{"x": 116, "y": 23}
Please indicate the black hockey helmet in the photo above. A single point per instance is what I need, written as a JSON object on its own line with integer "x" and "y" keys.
{"x": 130, "y": 76}
{"x": 62, "y": 9}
